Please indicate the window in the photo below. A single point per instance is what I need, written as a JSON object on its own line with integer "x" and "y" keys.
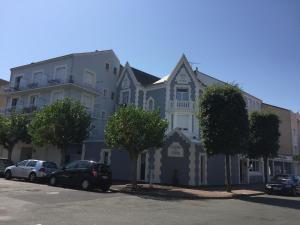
{"x": 115, "y": 70}
{"x": 50, "y": 165}
{"x": 112, "y": 96}
{"x": 254, "y": 166}
{"x": 22, "y": 163}
{"x": 33, "y": 100}
{"x": 60, "y": 73}
{"x": 125, "y": 97}
{"x": 71, "y": 165}
{"x": 17, "y": 82}
{"x": 105, "y": 91}
{"x": 150, "y": 105}
{"x": 107, "y": 66}
{"x": 182, "y": 122}
{"x": 82, "y": 165}
{"x": 31, "y": 164}
{"x": 125, "y": 83}
{"x": 182, "y": 94}
{"x": 37, "y": 77}
{"x": 57, "y": 95}
{"x": 89, "y": 78}
{"x": 14, "y": 102}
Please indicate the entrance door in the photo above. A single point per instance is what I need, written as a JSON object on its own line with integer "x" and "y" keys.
{"x": 143, "y": 166}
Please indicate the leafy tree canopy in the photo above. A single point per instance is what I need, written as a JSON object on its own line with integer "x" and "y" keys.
{"x": 60, "y": 124}
{"x": 264, "y": 135}
{"x": 223, "y": 120}
{"x": 13, "y": 128}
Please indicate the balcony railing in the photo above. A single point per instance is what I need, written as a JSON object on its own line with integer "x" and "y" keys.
{"x": 24, "y": 85}
{"x": 182, "y": 105}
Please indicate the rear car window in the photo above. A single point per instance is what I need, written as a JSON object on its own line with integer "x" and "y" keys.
{"x": 103, "y": 168}
{"x": 50, "y": 165}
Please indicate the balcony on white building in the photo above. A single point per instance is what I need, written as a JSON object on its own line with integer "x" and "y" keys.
{"x": 178, "y": 105}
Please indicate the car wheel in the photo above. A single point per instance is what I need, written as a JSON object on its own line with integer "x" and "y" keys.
{"x": 53, "y": 181}
{"x": 32, "y": 177}
{"x": 8, "y": 175}
{"x": 104, "y": 188}
{"x": 85, "y": 185}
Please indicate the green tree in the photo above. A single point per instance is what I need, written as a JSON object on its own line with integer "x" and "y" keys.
{"x": 12, "y": 130}
{"x": 264, "y": 137}
{"x": 61, "y": 124}
{"x": 223, "y": 122}
{"x": 134, "y": 129}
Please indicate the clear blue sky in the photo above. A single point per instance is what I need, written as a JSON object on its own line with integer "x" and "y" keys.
{"x": 254, "y": 43}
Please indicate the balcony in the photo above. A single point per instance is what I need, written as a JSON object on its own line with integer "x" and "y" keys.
{"x": 185, "y": 106}
{"x": 25, "y": 86}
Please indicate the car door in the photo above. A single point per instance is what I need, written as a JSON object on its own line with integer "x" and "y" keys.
{"x": 80, "y": 172}
{"x": 18, "y": 170}
{"x": 29, "y": 167}
{"x": 64, "y": 176}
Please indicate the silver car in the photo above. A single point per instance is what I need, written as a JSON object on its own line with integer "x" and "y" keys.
{"x": 30, "y": 169}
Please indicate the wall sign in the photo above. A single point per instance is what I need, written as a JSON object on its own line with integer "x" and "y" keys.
{"x": 175, "y": 150}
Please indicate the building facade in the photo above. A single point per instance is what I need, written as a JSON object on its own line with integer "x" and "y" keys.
{"x": 101, "y": 84}
{"x": 289, "y": 140}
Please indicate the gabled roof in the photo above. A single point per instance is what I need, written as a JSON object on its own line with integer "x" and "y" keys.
{"x": 144, "y": 78}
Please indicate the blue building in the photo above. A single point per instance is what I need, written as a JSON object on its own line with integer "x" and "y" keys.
{"x": 101, "y": 83}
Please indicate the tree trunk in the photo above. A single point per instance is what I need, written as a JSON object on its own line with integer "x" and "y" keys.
{"x": 228, "y": 174}
{"x": 9, "y": 153}
{"x": 266, "y": 169}
{"x": 134, "y": 172}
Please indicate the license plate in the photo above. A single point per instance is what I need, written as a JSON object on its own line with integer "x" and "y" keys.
{"x": 277, "y": 188}
{"x": 104, "y": 177}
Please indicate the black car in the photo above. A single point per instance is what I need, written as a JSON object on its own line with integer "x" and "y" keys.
{"x": 3, "y": 164}
{"x": 84, "y": 174}
{"x": 284, "y": 184}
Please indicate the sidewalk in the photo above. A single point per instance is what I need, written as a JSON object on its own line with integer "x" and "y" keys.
{"x": 166, "y": 192}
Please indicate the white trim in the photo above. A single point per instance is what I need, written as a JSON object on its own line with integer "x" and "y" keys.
{"x": 148, "y": 100}
{"x": 128, "y": 69}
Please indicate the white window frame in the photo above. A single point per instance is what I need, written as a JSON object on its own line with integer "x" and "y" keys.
{"x": 121, "y": 96}
{"x": 57, "y": 91}
{"x": 148, "y": 104}
{"x": 94, "y": 77}
{"x": 55, "y": 72}
{"x": 182, "y": 87}
{"x": 175, "y": 124}
{"x": 29, "y": 97}
{"x": 102, "y": 153}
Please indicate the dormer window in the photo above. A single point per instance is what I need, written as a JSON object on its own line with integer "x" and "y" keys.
{"x": 182, "y": 94}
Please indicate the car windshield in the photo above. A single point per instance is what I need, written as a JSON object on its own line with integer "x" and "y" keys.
{"x": 50, "y": 165}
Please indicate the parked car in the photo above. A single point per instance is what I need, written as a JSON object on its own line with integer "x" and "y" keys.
{"x": 284, "y": 184}
{"x": 84, "y": 174}
{"x": 30, "y": 169}
{"x": 3, "y": 164}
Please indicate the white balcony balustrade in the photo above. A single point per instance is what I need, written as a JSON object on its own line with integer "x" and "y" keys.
{"x": 178, "y": 105}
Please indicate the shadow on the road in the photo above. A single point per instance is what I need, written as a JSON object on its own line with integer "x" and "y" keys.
{"x": 273, "y": 201}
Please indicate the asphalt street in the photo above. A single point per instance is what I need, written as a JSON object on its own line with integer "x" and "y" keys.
{"x": 24, "y": 203}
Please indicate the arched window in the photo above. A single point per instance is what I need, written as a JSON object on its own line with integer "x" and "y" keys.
{"x": 150, "y": 104}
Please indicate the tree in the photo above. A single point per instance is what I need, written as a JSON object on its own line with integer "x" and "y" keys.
{"x": 12, "y": 130}
{"x": 61, "y": 124}
{"x": 135, "y": 130}
{"x": 223, "y": 122}
{"x": 264, "y": 137}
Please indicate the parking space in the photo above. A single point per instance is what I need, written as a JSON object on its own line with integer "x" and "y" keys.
{"x": 30, "y": 203}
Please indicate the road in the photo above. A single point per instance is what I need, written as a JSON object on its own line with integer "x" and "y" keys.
{"x": 24, "y": 203}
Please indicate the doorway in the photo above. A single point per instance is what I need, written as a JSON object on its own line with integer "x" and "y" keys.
{"x": 143, "y": 166}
